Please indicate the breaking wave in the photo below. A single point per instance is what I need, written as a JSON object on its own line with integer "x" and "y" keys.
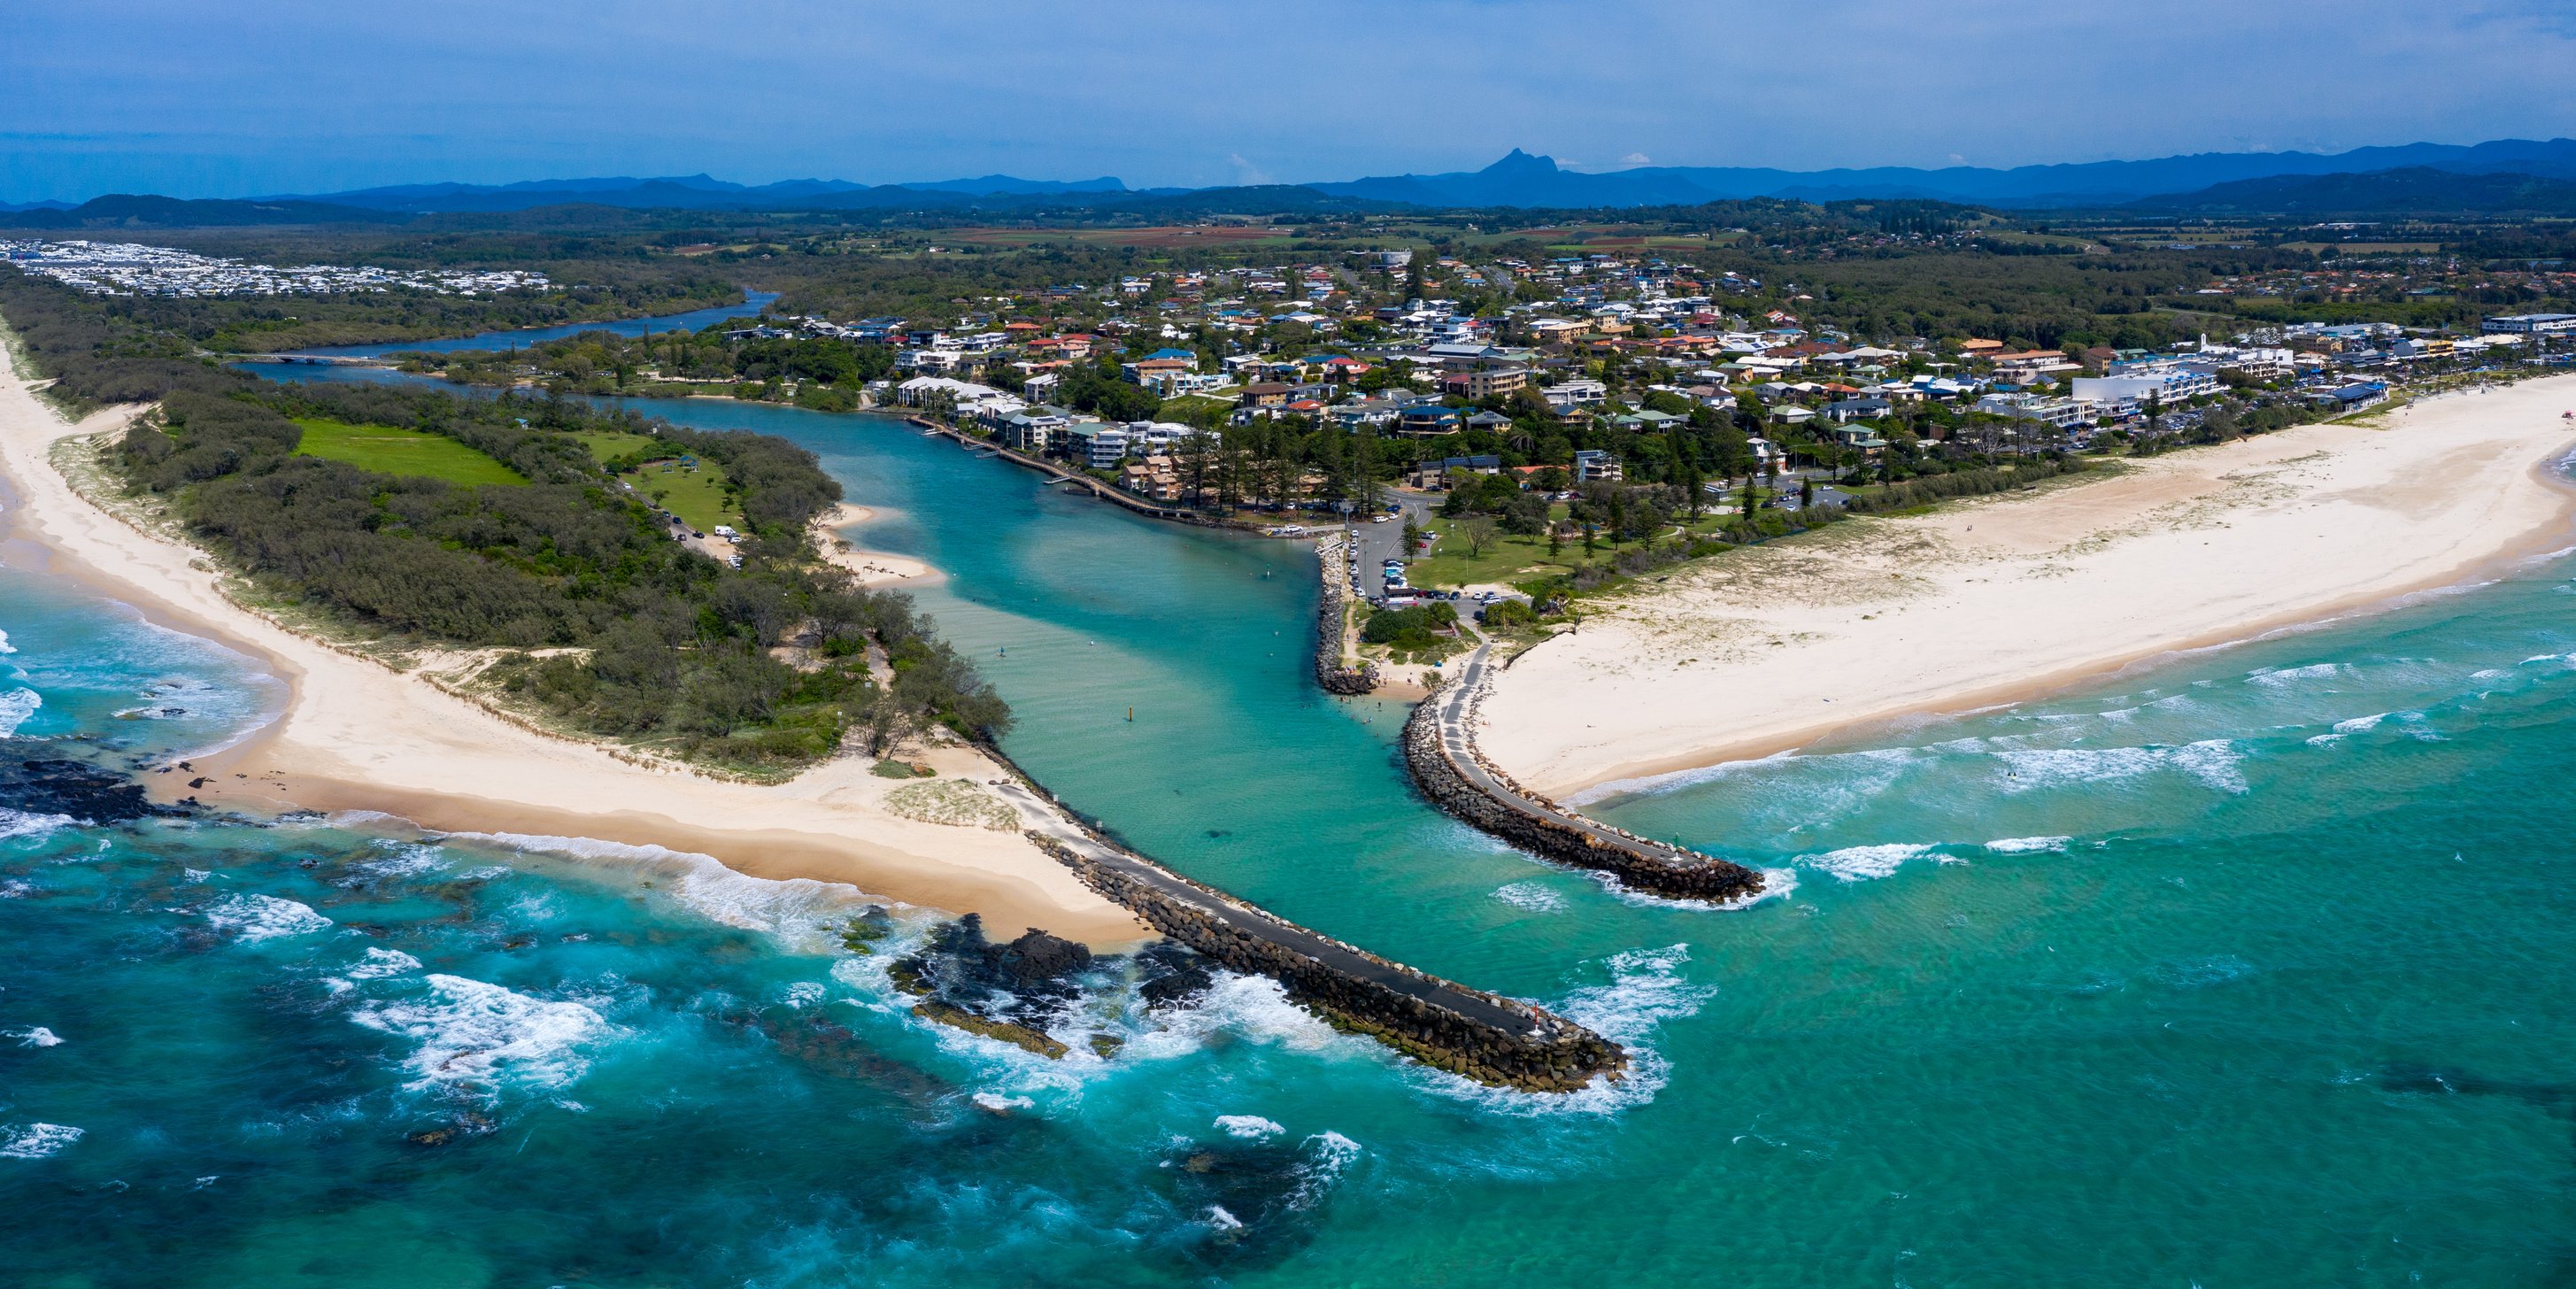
{"x": 1249, "y": 1127}
{"x": 1533, "y": 896}
{"x": 15, "y": 707}
{"x": 1646, "y": 989}
{"x": 473, "y": 1035}
{"x": 35, "y": 1140}
{"x": 21, "y": 823}
{"x": 2214, "y": 762}
{"x": 264, "y": 917}
{"x": 798, "y": 910}
{"x": 1865, "y": 863}
{"x": 2025, "y": 845}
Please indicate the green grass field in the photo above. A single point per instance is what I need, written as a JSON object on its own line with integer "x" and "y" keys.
{"x": 695, "y": 496}
{"x": 390, "y": 450}
{"x": 608, "y": 447}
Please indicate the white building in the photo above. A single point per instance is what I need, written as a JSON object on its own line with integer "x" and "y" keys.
{"x": 2531, "y": 324}
{"x": 2131, "y": 385}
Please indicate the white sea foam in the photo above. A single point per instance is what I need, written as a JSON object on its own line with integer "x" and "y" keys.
{"x": 381, "y": 963}
{"x": 264, "y": 917}
{"x": 35, "y": 1140}
{"x": 1777, "y": 884}
{"x": 13, "y": 889}
{"x": 1646, "y": 989}
{"x": 471, "y": 1032}
{"x": 1329, "y": 1155}
{"x": 804, "y": 993}
{"x": 1533, "y": 896}
{"x": 402, "y": 859}
{"x": 33, "y": 1036}
{"x": 22, "y": 823}
{"x": 797, "y": 910}
{"x": 999, "y": 1104}
{"x": 2213, "y": 761}
{"x": 1220, "y": 1219}
{"x": 5, "y": 646}
{"x": 15, "y": 707}
{"x": 1249, "y": 1127}
{"x": 1658, "y": 783}
{"x": 2025, "y": 845}
{"x": 2291, "y": 677}
{"x": 1865, "y": 863}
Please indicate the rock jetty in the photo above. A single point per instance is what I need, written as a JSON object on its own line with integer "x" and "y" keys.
{"x": 1491, "y": 1039}
{"x": 1332, "y": 668}
{"x": 1440, "y": 749}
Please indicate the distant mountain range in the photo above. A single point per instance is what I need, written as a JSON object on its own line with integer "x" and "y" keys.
{"x": 695, "y": 192}
{"x": 2415, "y": 190}
{"x": 2507, "y": 175}
{"x": 1524, "y": 180}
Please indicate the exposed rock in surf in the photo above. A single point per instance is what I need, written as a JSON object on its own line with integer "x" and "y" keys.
{"x": 53, "y": 785}
{"x": 1037, "y": 956}
{"x": 1179, "y": 989}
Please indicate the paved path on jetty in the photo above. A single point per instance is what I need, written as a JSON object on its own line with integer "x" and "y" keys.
{"x": 1042, "y": 816}
{"x": 1456, "y": 708}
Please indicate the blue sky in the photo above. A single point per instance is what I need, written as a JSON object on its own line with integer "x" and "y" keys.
{"x": 205, "y": 99}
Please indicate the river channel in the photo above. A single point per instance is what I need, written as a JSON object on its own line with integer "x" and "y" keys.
{"x": 2246, "y": 969}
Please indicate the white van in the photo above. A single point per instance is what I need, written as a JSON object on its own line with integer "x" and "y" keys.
{"x": 726, "y": 531}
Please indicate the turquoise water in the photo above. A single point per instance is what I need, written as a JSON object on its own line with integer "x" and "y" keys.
{"x": 2245, "y": 969}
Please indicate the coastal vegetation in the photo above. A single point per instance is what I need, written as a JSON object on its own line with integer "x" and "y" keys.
{"x": 417, "y": 520}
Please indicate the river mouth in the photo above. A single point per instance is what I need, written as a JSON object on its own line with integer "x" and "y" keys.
{"x": 2284, "y": 925}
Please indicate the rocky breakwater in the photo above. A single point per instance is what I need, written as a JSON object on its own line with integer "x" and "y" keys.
{"x": 1332, "y": 666}
{"x": 1486, "y": 1037}
{"x": 1439, "y": 747}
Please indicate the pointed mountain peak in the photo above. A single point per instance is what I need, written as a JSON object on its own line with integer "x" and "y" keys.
{"x": 1522, "y": 163}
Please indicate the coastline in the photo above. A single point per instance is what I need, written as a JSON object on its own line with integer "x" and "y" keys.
{"x": 354, "y": 734}
{"x": 875, "y": 569}
{"x": 1885, "y": 620}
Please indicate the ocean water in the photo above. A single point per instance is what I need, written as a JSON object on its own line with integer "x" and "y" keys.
{"x": 2247, "y": 968}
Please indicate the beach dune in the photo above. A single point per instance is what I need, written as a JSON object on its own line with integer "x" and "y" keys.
{"x": 2006, "y": 598}
{"x": 356, "y": 735}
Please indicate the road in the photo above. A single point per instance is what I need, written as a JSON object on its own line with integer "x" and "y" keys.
{"x": 1038, "y": 814}
{"x": 1456, "y": 709}
{"x": 1378, "y": 543}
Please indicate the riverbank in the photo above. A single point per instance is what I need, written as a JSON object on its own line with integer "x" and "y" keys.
{"x": 873, "y": 568}
{"x": 2001, "y": 600}
{"x": 353, "y": 734}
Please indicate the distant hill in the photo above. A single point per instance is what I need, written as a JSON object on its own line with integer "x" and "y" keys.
{"x": 129, "y": 211}
{"x": 1521, "y": 179}
{"x": 690, "y": 192}
{"x": 2414, "y": 190}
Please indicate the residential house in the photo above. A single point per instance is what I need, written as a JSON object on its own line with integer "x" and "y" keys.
{"x": 1424, "y": 422}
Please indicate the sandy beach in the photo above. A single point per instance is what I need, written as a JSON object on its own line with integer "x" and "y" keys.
{"x": 356, "y": 735}
{"x": 873, "y": 568}
{"x": 2004, "y": 599}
